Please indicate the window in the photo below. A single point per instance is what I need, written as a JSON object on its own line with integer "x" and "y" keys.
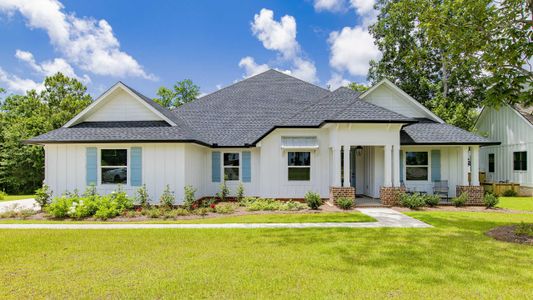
{"x": 299, "y": 164}
{"x": 416, "y": 166}
{"x": 491, "y": 162}
{"x": 114, "y": 166}
{"x": 520, "y": 161}
{"x": 231, "y": 166}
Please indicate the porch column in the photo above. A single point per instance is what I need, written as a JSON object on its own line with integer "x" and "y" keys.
{"x": 387, "y": 176}
{"x": 336, "y": 166}
{"x": 347, "y": 176}
{"x": 464, "y": 152}
{"x": 396, "y": 165}
{"x": 474, "y": 168}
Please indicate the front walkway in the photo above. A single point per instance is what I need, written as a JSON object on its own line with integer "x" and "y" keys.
{"x": 385, "y": 218}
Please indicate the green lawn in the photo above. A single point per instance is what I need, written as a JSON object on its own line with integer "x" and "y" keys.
{"x": 16, "y": 197}
{"x": 452, "y": 260}
{"x": 259, "y": 218}
{"x": 517, "y": 203}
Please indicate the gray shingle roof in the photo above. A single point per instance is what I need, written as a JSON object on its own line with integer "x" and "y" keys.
{"x": 242, "y": 113}
{"x": 525, "y": 111}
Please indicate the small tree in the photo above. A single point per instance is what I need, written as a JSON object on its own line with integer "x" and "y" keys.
{"x": 142, "y": 197}
{"x": 240, "y": 192}
{"x": 167, "y": 198}
{"x": 43, "y": 196}
{"x": 224, "y": 191}
{"x": 190, "y": 197}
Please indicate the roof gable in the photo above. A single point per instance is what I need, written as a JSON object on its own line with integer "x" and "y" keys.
{"x": 122, "y": 103}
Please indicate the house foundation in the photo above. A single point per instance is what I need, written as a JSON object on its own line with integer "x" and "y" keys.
{"x": 475, "y": 193}
{"x": 390, "y": 196}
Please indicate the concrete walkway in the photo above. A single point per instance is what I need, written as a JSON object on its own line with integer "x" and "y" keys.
{"x": 18, "y": 205}
{"x": 385, "y": 218}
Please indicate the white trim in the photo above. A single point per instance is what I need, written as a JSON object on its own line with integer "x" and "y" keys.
{"x": 405, "y": 166}
{"x": 404, "y": 94}
{"x": 299, "y": 167}
{"x": 223, "y": 167}
{"x": 99, "y": 164}
{"x": 92, "y": 106}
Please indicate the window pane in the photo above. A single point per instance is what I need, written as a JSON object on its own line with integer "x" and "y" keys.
{"x": 231, "y": 159}
{"x": 524, "y": 161}
{"x": 520, "y": 161}
{"x": 299, "y": 158}
{"x": 300, "y": 174}
{"x": 115, "y": 175}
{"x": 416, "y": 173}
{"x": 416, "y": 158}
{"x": 231, "y": 173}
{"x": 114, "y": 157}
{"x": 491, "y": 162}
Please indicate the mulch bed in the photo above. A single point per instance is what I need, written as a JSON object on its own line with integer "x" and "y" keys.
{"x": 507, "y": 234}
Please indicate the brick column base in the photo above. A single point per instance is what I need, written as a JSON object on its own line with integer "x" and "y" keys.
{"x": 475, "y": 194}
{"x": 341, "y": 192}
{"x": 390, "y": 196}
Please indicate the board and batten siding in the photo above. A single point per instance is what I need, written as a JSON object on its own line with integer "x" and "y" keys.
{"x": 515, "y": 134}
{"x": 386, "y": 97}
{"x": 121, "y": 106}
{"x": 162, "y": 164}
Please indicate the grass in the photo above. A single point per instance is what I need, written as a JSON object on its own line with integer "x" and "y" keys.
{"x": 452, "y": 260}
{"x": 516, "y": 203}
{"x": 16, "y": 197}
{"x": 258, "y": 218}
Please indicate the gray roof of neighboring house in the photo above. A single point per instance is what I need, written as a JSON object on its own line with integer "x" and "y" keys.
{"x": 525, "y": 111}
{"x": 431, "y": 133}
{"x": 243, "y": 113}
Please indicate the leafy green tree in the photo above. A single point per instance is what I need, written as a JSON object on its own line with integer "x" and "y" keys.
{"x": 358, "y": 87}
{"x": 29, "y": 115}
{"x": 182, "y": 92}
{"x": 448, "y": 54}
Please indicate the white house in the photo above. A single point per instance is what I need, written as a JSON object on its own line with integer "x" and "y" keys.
{"x": 511, "y": 161}
{"x": 278, "y": 135}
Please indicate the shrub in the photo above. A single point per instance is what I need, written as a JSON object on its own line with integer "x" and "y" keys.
{"x": 131, "y": 214}
{"x": 490, "y": 200}
{"x": 202, "y": 211}
{"x": 90, "y": 191}
{"x": 153, "y": 212}
{"x": 142, "y": 197}
{"x": 461, "y": 200}
{"x": 181, "y": 212}
{"x": 247, "y": 200}
{"x": 106, "y": 208}
{"x": 167, "y": 198}
{"x": 121, "y": 199}
{"x": 344, "y": 203}
{"x": 190, "y": 198}
{"x": 432, "y": 200}
{"x": 59, "y": 207}
{"x": 413, "y": 201}
{"x": 223, "y": 191}
{"x": 313, "y": 200}
{"x": 225, "y": 208}
{"x": 524, "y": 229}
{"x": 240, "y": 192}
{"x": 3, "y": 195}
{"x": 292, "y": 206}
{"x": 83, "y": 207}
{"x": 509, "y": 193}
{"x": 43, "y": 196}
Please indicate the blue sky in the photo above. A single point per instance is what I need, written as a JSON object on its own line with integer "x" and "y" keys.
{"x": 214, "y": 43}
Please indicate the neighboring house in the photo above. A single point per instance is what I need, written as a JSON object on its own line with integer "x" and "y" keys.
{"x": 278, "y": 135}
{"x": 512, "y": 161}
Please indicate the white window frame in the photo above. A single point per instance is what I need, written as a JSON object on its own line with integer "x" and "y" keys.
{"x": 409, "y": 166}
{"x": 223, "y": 167}
{"x": 100, "y": 165}
{"x": 302, "y": 167}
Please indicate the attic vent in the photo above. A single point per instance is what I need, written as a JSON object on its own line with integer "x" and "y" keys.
{"x": 299, "y": 142}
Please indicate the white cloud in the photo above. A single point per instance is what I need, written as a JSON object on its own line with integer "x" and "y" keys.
{"x": 88, "y": 43}
{"x": 15, "y": 83}
{"x": 336, "y": 81}
{"x": 329, "y": 5}
{"x": 363, "y": 6}
{"x": 277, "y": 36}
{"x": 48, "y": 68}
{"x": 351, "y": 50}
{"x": 251, "y": 67}
{"x": 305, "y": 70}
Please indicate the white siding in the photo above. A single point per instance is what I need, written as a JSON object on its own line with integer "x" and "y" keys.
{"x": 386, "y": 97}
{"x": 121, "y": 106}
{"x": 515, "y": 134}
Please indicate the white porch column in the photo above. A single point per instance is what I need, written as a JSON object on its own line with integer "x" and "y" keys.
{"x": 387, "y": 176}
{"x": 347, "y": 176}
{"x": 396, "y": 165}
{"x": 474, "y": 168}
{"x": 336, "y": 166}
{"x": 464, "y": 180}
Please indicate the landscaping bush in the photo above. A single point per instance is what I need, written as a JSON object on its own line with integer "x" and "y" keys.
{"x": 190, "y": 198}
{"x": 509, "y": 193}
{"x": 153, "y": 212}
{"x": 524, "y": 229}
{"x": 344, "y": 203}
{"x": 167, "y": 198}
{"x": 83, "y": 207}
{"x": 239, "y": 194}
{"x": 263, "y": 204}
{"x": 142, "y": 197}
{"x": 202, "y": 211}
{"x": 181, "y": 212}
{"x": 413, "y": 201}
{"x": 223, "y": 191}
{"x": 461, "y": 200}
{"x": 225, "y": 208}
{"x": 59, "y": 207}
{"x": 3, "y": 195}
{"x": 432, "y": 200}
{"x": 291, "y": 206}
{"x": 43, "y": 196}
{"x": 247, "y": 200}
{"x": 313, "y": 200}
{"x": 490, "y": 200}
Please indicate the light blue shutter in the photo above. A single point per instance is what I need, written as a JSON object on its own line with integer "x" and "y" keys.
{"x": 215, "y": 166}
{"x": 246, "y": 166}
{"x": 435, "y": 165}
{"x": 401, "y": 165}
{"x": 136, "y": 166}
{"x": 91, "y": 166}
